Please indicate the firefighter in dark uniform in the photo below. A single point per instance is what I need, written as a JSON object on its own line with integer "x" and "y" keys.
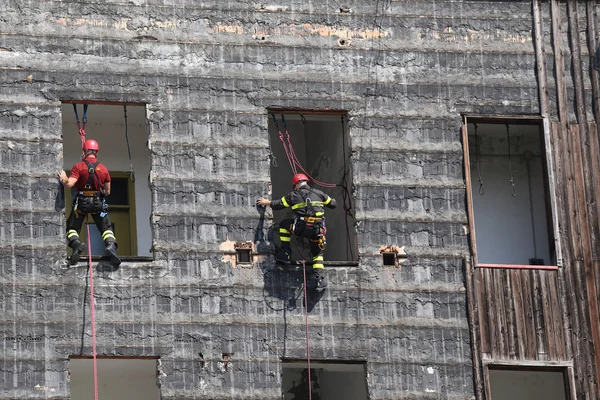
{"x": 308, "y": 206}
{"x": 92, "y": 181}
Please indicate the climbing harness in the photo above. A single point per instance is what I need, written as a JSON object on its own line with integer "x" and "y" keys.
{"x": 81, "y": 126}
{"x": 512, "y": 181}
{"x": 477, "y": 157}
{"x": 131, "y": 173}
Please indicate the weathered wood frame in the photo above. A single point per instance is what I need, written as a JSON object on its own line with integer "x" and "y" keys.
{"x": 565, "y": 366}
{"x": 544, "y": 125}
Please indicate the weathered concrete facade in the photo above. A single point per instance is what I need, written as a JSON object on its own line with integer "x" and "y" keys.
{"x": 207, "y": 71}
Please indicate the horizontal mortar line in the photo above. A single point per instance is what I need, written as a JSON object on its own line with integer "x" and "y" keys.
{"x": 32, "y": 175}
{"x": 412, "y": 219}
{"x": 421, "y": 289}
{"x": 425, "y": 147}
{"x": 293, "y": 12}
{"x": 42, "y": 103}
{"x": 421, "y": 184}
{"x": 250, "y": 76}
{"x": 24, "y": 139}
{"x": 315, "y": 322}
{"x": 155, "y": 173}
{"x": 256, "y": 357}
{"x": 427, "y": 46}
{"x": 223, "y": 144}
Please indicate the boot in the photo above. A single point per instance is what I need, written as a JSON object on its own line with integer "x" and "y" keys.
{"x": 316, "y": 281}
{"x": 283, "y": 256}
{"x": 78, "y": 247}
{"x": 110, "y": 251}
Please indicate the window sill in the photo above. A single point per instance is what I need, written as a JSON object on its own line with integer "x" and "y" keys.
{"x": 84, "y": 258}
{"x": 329, "y": 263}
{"x": 516, "y": 266}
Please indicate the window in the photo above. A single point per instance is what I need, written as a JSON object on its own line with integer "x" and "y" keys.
{"x": 510, "y": 195}
{"x": 130, "y": 198}
{"x": 321, "y": 144}
{"x": 119, "y": 378}
{"x": 527, "y": 382}
{"x": 329, "y": 381}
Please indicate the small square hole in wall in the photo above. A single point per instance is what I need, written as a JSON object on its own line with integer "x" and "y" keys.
{"x": 244, "y": 256}
{"x": 389, "y": 259}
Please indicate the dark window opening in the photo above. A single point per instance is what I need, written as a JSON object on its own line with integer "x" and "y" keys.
{"x": 524, "y": 383}
{"x": 130, "y": 199}
{"x": 389, "y": 259}
{"x": 510, "y": 201}
{"x": 322, "y": 146}
{"x": 244, "y": 256}
{"x": 328, "y": 381}
{"x": 119, "y": 378}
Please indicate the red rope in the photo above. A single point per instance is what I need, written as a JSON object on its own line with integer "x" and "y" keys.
{"x": 295, "y": 163}
{"x": 93, "y": 307}
{"x": 307, "y": 341}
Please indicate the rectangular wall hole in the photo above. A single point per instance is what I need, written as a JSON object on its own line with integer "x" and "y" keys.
{"x": 322, "y": 144}
{"x": 389, "y": 259}
{"x": 329, "y": 381}
{"x": 130, "y": 199}
{"x": 526, "y": 384}
{"x": 119, "y": 378}
{"x": 510, "y": 195}
{"x": 244, "y": 256}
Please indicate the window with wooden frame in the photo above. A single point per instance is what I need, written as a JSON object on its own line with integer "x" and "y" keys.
{"x": 510, "y": 192}
{"x": 524, "y": 380}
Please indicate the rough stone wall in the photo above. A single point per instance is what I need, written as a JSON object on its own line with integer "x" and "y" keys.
{"x": 208, "y": 70}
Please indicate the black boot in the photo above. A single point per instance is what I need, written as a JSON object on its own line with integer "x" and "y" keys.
{"x": 283, "y": 256}
{"x": 111, "y": 252}
{"x": 316, "y": 281}
{"x": 78, "y": 247}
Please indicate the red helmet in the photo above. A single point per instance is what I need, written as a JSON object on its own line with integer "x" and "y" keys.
{"x": 91, "y": 145}
{"x": 298, "y": 178}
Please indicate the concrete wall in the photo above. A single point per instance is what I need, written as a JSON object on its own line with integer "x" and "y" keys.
{"x": 207, "y": 72}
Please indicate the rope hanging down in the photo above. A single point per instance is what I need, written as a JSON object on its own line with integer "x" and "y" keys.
{"x": 306, "y": 324}
{"x": 131, "y": 173}
{"x": 93, "y": 308}
{"x": 81, "y": 126}
{"x": 291, "y": 154}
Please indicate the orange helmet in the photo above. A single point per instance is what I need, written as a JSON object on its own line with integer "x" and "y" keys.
{"x": 299, "y": 178}
{"x": 91, "y": 145}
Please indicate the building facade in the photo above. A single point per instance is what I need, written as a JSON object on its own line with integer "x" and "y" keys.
{"x": 409, "y": 106}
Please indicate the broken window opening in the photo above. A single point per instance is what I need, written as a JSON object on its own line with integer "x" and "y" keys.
{"x": 321, "y": 143}
{"x": 243, "y": 252}
{"x": 527, "y": 382}
{"x": 328, "y": 380}
{"x": 119, "y": 378}
{"x": 130, "y": 199}
{"x": 510, "y": 204}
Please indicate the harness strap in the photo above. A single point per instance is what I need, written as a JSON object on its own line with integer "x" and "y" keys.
{"x": 90, "y": 184}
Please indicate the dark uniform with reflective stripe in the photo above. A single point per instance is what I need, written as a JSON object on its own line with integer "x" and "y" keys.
{"x": 90, "y": 200}
{"x": 308, "y": 205}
